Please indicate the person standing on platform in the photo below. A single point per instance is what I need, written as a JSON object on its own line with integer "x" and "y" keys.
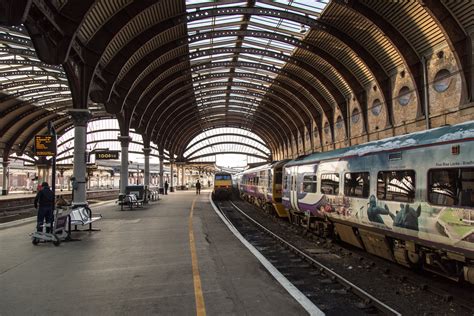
{"x": 198, "y": 187}
{"x": 166, "y": 187}
{"x": 44, "y": 203}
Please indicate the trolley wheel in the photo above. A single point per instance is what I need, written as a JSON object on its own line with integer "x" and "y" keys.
{"x": 35, "y": 241}
{"x": 57, "y": 242}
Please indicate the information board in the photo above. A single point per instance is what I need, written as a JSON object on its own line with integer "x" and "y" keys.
{"x": 45, "y": 145}
{"x": 107, "y": 155}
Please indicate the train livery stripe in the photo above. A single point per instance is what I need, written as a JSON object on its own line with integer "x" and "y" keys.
{"x": 199, "y": 297}
{"x": 285, "y": 283}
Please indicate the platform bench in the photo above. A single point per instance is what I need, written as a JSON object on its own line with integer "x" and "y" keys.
{"x": 82, "y": 216}
{"x": 132, "y": 201}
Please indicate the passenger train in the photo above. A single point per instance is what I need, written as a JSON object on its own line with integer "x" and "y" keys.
{"x": 222, "y": 186}
{"x": 409, "y": 199}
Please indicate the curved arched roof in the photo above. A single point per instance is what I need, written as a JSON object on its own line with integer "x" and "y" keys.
{"x": 173, "y": 69}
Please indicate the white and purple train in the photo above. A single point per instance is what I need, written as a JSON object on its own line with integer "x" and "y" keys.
{"x": 409, "y": 199}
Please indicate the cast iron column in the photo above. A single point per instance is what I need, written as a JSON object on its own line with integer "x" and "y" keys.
{"x": 5, "y": 177}
{"x": 162, "y": 183}
{"x": 147, "y": 152}
{"x": 171, "y": 175}
{"x": 80, "y": 117}
{"x": 124, "y": 141}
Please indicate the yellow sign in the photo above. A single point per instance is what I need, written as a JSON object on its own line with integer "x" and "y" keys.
{"x": 45, "y": 145}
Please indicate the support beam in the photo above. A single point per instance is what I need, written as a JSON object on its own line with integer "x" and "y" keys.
{"x": 5, "y": 177}
{"x": 171, "y": 175}
{"x": 80, "y": 117}
{"x": 124, "y": 142}
{"x": 146, "y": 152}
{"x": 162, "y": 182}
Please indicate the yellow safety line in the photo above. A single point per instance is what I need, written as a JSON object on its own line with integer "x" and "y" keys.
{"x": 200, "y": 306}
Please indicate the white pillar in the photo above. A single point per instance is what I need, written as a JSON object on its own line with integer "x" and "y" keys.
{"x": 5, "y": 179}
{"x": 124, "y": 141}
{"x": 80, "y": 117}
{"x": 146, "y": 152}
{"x": 183, "y": 183}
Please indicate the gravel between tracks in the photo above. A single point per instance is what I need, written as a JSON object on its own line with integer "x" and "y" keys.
{"x": 409, "y": 292}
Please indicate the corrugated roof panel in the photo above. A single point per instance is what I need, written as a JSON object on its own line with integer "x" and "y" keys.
{"x": 151, "y": 16}
{"x": 364, "y": 32}
{"x": 98, "y": 15}
{"x": 342, "y": 53}
{"x": 325, "y": 68}
{"x": 412, "y": 21}
{"x": 159, "y": 40}
{"x": 462, "y": 10}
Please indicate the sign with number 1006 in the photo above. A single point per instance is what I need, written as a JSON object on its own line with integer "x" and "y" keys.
{"x": 105, "y": 155}
{"x": 45, "y": 145}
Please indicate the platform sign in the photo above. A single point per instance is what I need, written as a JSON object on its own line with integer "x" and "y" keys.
{"x": 45, "y": 145}
{"x": 106, "y": 155}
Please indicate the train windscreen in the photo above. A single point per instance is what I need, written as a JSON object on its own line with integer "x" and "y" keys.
{"x": 223, "y": 177}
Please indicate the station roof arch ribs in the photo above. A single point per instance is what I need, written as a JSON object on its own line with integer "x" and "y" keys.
{"x": 131, "y": 55}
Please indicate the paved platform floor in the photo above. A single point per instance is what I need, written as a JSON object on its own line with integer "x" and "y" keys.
{"x": 139, "y": 264}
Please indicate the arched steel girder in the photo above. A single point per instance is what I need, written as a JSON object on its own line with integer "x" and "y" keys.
{"x": 229, "y": 152}
{"x": 188, "y": 99}
{"x": 36, "y": 99}
{"x": 20, "y": 106}
{"x": 14, "y": 11}
{"x": 32, "y": 73}
{"x": 31, "y": 114}
{"x": 39, "y": 90}
{"x": 399, "y": 42}
{"x": 116, "y": 68}
{"x": 159, "y": 90}
{"x": 225, "y": 134}
{"x": 275, "y": 97}
{"x": 24, "y": 135}
{"x": 193, "y": 131}
{"x": 174, "y": 91}
{"x": 30, "y": 82}
{"x": 456, "y": 38}
{"x": 359, "y": 91}
{"x": 183, "y": 136}
{"x": 32, "y": 63}
{"x": 192, "y": 110}
{"x": 24, "y": 52}
{"x": 188, "y": 117}
{"x": 225, "y": 143}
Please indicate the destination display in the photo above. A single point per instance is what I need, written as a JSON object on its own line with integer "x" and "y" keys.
{"x": 107, "y": 155}
{"x": 45, "y": 145}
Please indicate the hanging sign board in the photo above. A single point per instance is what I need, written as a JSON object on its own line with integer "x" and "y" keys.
{"x": 107, "y": 155}
{"x": 45, "y": 145}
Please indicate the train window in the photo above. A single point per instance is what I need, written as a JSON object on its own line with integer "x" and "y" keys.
{"x": 330, "y": 183}
{"x": 451, "y": 187}
{"x": 285, "y": 182}
{"x": 396, "y": 185}
{"x": 357, "y": 184}
{"x": 222, "y": 177}
{"x": 309, "y": 183}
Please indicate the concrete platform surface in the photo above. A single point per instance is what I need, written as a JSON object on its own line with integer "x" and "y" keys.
{"x": 140, "y": 263}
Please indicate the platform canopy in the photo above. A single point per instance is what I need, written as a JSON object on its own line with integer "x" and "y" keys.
{"x": 172, "y": 69}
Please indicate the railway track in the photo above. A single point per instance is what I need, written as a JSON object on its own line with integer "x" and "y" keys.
{"x": 406, "y": 291}
{"x": 330, "y": 291}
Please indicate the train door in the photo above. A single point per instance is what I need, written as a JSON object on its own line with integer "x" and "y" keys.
{"x": 294, "y": 189}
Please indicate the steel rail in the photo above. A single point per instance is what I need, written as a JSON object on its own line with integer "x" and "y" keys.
{"x": 348, "y": 284}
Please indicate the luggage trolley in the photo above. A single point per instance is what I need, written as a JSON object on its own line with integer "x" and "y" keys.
{"x": 58, "y": 232}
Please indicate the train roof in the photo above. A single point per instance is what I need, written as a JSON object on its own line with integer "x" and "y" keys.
{"x": 223, "y": 173}
{"x": 423, "y": 138}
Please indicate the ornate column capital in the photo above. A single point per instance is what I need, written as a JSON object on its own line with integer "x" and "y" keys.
{"x": 147, "y": 151}
{"x": 80, "y": 117}
{"x": 124, "y": 140}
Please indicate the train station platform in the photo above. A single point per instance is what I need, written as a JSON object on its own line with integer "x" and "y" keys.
{"x": 174, "y": 256}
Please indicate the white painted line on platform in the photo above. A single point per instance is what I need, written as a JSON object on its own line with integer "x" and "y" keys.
{"x": 287, "y": 285}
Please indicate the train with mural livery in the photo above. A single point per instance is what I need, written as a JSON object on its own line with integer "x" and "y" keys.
{"x": 408, "y": 199}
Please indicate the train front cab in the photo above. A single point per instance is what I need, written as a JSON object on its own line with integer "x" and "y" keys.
{"x": 222, "y": 186}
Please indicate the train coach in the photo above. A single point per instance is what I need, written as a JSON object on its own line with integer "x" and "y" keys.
{"x": 409, "y": 199}
{"x": 222, "y": 186}
{"x": 263, "y": 186}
